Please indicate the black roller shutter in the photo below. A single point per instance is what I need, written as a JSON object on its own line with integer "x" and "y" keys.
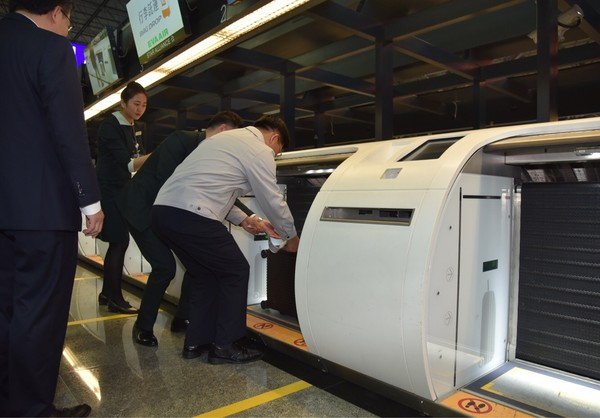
{"x": 559, "y": 277}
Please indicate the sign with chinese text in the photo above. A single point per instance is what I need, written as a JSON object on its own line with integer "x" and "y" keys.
{"x": 157, "y": 25}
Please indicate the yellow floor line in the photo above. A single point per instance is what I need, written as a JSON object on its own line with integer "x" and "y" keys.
{"x": 257, "y": 400}
{"x": 103, "y": 318}
{"x": 87, "y": 278}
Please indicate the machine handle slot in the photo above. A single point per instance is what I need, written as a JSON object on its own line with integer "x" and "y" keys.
{"x": 389, "y": 213}
{"x": 386, "y": 216}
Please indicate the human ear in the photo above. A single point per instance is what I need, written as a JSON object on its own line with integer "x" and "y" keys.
{"x": 54, "y": 14}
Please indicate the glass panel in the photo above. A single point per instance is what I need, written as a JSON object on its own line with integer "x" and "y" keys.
{"x": 430, "y": 150}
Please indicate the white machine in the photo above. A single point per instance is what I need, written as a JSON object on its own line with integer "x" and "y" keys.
{"x": 405, "y": 270}
{"x": 408, "y": 266}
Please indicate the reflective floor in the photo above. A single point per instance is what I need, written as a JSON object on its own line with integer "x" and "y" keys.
{"x": 103, "y": 367}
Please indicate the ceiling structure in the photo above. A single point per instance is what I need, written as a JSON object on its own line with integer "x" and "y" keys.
{"x": 343, "y": 71}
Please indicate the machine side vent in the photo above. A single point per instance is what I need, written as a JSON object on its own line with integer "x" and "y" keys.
{"x": 388, "y": 216}
{"x": 559, "y": 278}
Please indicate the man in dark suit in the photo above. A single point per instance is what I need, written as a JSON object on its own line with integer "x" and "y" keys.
{"x": 46, "y": 181}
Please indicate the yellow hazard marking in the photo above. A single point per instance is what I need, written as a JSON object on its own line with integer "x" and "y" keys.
{"x": 87, "y": 278}
{"x": 257, "y": 400}
{"x": 102, "y": 318}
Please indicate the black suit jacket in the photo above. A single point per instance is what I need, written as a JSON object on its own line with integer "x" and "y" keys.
{"x": 137, "y": 197}
{"x": 117, "y": 145}
{"x": 46, "y": 173}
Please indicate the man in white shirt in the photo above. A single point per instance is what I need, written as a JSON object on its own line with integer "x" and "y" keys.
{"x": 188, "y": 215}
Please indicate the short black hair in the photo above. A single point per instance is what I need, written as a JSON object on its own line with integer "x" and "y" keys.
{"x": 131, "y": 90}
{"x": 226, "y": 117}
{"x": 274, "y": 123}
{"x": 41, "y": 7}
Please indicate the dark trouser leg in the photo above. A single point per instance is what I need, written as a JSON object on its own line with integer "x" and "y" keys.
{"x": 183, "y": 309}
{"x": 218, "y": 270}
{"x": 38, "y": 268}
{"x": 7, "y": 277}
{"x": 160, "y": 257}
{"x": 113, "y": 270}
{"x": 203, "y": 305}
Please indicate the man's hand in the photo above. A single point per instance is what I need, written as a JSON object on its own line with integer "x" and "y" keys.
{"x": 251, "y": 224}
{"x": 269, "y": 229}
{"x": 93, "y": 224}
{"x": 254, "y": 224}
{"x": 291, "y": 246}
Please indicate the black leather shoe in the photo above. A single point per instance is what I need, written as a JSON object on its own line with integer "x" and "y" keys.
{"x": 122, "y": 307}
{"x": 144, "y": 337}
{"x": 179, "y": 324}
{"x": 193, "y": 351}
{"x": 249, "y": 342}
{"x": 236, "y": 354}
{"x": 82, "y": 410}
{"x": 102, "y": 299}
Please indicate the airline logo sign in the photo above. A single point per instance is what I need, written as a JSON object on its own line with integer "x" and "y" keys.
{"x": 157, "y": 25}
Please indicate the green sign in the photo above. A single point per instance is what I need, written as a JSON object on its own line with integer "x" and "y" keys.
{"x": 490, "y": 265}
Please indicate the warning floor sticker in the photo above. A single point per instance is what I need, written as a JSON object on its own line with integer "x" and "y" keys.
{"x": 471, "y": 405}
{"x": 276, "y": 331}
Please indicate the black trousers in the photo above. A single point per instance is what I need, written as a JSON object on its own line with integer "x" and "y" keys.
{"x": 160, "y": 257}
{"x": 37, "y": 271}
{"x": 218, "y": 273}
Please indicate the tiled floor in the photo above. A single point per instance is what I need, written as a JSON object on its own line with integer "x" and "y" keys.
{"x": 103, "y": 367}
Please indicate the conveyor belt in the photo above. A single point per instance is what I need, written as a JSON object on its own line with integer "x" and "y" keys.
{"x": 539, "y": 391}
{"x": 284, "y": 330}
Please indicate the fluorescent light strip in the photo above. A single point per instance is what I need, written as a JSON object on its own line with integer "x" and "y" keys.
{"x": 102, "y": 105}
{"x": 240, "y": 27}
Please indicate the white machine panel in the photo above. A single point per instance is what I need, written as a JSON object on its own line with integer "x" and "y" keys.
{"x": 422, "y": 307}
{"x": 134, "y": 262}
{"x": 484, "y": 274}
{"x": 349, "y": 303}
{"x": 257, "y": 283}
{"x": 468, "y": 291}
{"x": 442, "y": 296}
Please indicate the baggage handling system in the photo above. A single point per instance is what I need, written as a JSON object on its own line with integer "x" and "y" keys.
{"x": 453, "y": 272}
